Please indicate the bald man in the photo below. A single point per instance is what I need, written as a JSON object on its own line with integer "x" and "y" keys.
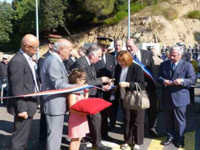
{"x": 22, "y": 80}
{"x": 54, "y": 76}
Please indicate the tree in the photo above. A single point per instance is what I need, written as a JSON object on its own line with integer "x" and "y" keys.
{"x": 52, "y": 14}
{"x": 24, "y": 16}
{"x": 99, "y": 7}
{"x": 5, "y": 22}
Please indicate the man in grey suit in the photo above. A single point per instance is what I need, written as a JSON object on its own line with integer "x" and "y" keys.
{"x": 54, "y": 76}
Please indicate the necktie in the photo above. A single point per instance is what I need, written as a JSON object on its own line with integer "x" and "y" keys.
{"x": 135, "y": 57}
{"x": 173, "y": 67}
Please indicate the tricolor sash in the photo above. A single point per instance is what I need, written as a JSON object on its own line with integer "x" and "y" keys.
{"x": 147, "y": 72}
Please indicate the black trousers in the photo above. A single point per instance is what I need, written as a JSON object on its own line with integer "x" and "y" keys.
{"x": 191, "y": 90}
{"x": 95, "y": 128}
{"x": 95, "y": 122}
{"x": 43, "y": 128}
{"x": 21, "y": 133}
{"x": 133, "y": 126}
{"x": 152, "y": 111}
{"x": 113, "y": 111}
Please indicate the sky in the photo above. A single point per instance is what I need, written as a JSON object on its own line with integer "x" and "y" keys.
{"x": 8, "y": 1}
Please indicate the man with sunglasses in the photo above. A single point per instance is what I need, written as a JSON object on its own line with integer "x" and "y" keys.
{"x": 22, "y": 80}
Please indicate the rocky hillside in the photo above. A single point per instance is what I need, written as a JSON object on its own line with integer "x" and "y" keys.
{"x": 148, "y": 26}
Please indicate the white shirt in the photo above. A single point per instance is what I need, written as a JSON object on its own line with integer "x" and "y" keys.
{"x": 32, "y": 66}
{"x": 123, "y": 76}
{"x": 138, "y": 54}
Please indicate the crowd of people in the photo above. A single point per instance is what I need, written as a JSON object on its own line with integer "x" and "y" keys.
{"x": 167, "y": 82}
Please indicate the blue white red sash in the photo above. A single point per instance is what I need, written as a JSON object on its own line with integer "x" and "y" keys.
{"x": 147, "y": 72}
{"x": 51, "y": 92}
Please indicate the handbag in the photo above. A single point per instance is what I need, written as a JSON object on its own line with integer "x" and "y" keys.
{"x": 136, "y": 100}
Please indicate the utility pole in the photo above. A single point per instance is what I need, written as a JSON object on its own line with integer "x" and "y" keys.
{"x": 129, "y": 15}
{"x": 37, "y": 26}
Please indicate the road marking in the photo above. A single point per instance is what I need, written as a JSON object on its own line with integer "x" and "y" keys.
{"x": 189, "y": 141}
{"x": 155, "y": 144}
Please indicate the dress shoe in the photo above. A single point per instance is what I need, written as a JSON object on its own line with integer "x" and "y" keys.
{"x": 168, "y": 141}
{"x": 153, "y": 133}
{"x": 179, "y": 144}
{"x": 101, "y": 147}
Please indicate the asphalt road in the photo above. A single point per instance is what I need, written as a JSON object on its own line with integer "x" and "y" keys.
{"x": 192, "y": 135}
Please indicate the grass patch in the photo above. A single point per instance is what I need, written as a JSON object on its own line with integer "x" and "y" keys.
{"x": 195, "y": 14}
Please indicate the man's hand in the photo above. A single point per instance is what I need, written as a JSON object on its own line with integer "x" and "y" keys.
{"x": 23, "y": 115}
{"x": 124, "y": 84}
{"x": 105, "y": 79}
{"x": 168, "y": 82}
{"x": 178, "y": 81}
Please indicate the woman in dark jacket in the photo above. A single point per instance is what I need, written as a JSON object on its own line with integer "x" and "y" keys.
{"x": 127, "y": 74}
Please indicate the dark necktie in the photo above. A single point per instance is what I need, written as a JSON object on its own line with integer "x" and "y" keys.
{"x": 135, "y": 57}
{"x": 173, "y": 67}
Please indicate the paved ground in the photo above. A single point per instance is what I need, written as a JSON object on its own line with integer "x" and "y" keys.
{"x": 192, "y": 135}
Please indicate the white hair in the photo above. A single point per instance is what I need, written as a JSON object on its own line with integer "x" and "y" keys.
{"x": 177, "y": 48}
{"x": 93, "y": 50}
{"x": 59, "y": 45}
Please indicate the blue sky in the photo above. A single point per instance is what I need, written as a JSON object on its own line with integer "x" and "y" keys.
{"x": 9, "y": 1}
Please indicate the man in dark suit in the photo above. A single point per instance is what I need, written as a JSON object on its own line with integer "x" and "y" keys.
{"x": 86, "y": 63}
{"x": 105, "y": 67}
{"x": 145, "y": 57}
{"x": 176, "y": 75}
{"x": 22, "y": 80}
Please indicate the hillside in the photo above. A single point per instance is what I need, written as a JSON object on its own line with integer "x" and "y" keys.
{"x": 149, "y": 25}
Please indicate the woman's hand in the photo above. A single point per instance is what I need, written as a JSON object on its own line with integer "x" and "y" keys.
{"x": 124, "y": 84}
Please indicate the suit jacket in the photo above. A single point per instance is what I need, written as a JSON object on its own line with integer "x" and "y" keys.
{"x": 92, "y": 79}
{"x": 134, "y": 74}
{"x": 178, "y": 93}
{"x": 54, "y": 76}
{"x": 147, "y": 60}
{"x": 41, "y": 61}
{"x": 107, "y": 69}
{"x": 20, "y": 80}
{"x": 68, "y": 64}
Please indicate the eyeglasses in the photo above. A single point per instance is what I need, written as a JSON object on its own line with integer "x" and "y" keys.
{"x": 35, "y": 48}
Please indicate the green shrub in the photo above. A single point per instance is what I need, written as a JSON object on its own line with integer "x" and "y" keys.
{"x": 195, "y": 14}
{"x": 121, "y": 15}
{"x": 123, "y": 12}
{"x": 136, "y": 7}
{"x": 170, "y": 13}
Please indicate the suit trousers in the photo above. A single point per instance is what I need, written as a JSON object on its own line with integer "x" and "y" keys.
{"x": 192, "y": 97}
{"x": 54, "y": 131}
{"x": 95, "y": 128}
{"x": 133, "y": 126}
{"x": 43, "y": 128}
{"x": 21, "y": 131}
{"x": 175, "y": 120}
{"x": 113, "y": 112}
{"x": 152, "y": 111}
